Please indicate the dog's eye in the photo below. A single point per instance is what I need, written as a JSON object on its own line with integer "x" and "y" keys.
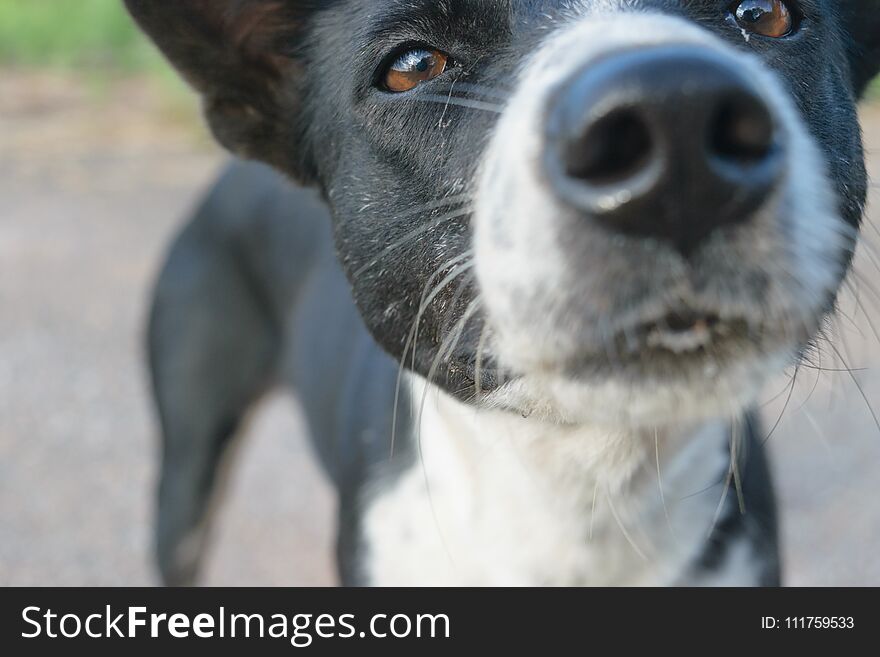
{"x": 770, "y": 18}
{"x": 414, "y": 67}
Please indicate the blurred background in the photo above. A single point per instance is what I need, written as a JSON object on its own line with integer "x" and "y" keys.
{"x": 102, "y": 155}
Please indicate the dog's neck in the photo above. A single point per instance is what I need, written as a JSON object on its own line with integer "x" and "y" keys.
{"x": 495, "y": 498}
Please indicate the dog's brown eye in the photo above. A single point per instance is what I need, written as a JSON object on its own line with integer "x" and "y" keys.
{"x": 414, "y": 67}
{"x": 770, "y": 18}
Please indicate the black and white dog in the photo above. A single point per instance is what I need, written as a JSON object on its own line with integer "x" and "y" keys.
{"x": 584, "y": 234}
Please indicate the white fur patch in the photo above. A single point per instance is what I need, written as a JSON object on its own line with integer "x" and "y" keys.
{"x": 500, "y": 500}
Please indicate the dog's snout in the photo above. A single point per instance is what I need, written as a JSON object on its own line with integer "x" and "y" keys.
{"x": 671, "y": 143}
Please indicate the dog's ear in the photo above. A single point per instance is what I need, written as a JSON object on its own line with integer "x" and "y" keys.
{"x": 242, "y": 56}
{"x": 862, "y": 21}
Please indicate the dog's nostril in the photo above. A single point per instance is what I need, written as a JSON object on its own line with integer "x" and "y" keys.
{"x": 672, "y": 143}
{"x": 742, "y": 131}
{"x": 613, "y": 149}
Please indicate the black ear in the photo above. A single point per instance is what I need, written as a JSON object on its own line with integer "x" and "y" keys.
{"x": 241, "y": 55}
{"x": 862, "y": 22}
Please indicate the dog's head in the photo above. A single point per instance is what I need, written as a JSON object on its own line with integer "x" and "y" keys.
{"x": 598, "y": 210}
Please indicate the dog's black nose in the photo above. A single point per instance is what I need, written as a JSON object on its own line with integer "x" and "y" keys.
{"x": 671, "y": 143}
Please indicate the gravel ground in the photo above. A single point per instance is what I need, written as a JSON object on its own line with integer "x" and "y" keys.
{"x": 91, "y": 191}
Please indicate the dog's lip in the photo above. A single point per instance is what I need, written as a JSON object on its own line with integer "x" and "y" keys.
{"x": 680, "y": 331}
{"x": 681, "y": 321}
{"x": 683, "y": 337}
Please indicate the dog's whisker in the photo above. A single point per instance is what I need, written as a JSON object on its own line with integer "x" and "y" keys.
{"x": 832, "y": 370}
{"x": 859, "y": 387}
{"x": 867, "y": 315}
{"x": 483, "y": 90}
{"x": 660, "y": 481}
{"x": 419, "y": 423}
{"x": 736, "y": 443}
{"x": 857, "y": 297}
{"x": 872, "y": 226}
{"x": 461, "y": 269}
{"x": 593, "y": 507}
{"x": 428, "y": 297}
{"x": 455, "y": 299}
{"x": 728, "y": 480}
{"x": 841, "y": 340}
{"x": 623, "y": 529}
{"x": 443, "y": 350}
{"x": 781, "y": 393}
{"x": 420, "y": 209}
{"x": 460, "y": 102}
{"x": 784, "y": 406}
{"x": 864, "y": 281}
{"x": 840, "y": 314}
{"x": 411, "y": 237}
{"x": 813, "y": 389}
{"x": 447, "y": 346}
{"x": 478, "y": 366}
{"x": 449, "y": 343}
{"x": 869, "y": 252}
{"x": 467, "y": 280}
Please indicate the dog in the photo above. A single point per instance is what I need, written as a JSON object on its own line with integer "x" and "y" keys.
{"x": 527, "y": 265}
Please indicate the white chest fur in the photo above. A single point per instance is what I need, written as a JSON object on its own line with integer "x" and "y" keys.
{"x": 497, "y": 499}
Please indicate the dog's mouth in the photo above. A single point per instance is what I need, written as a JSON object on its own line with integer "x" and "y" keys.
{"x": 680, "y": 341}
{"x": 681, "y": 332}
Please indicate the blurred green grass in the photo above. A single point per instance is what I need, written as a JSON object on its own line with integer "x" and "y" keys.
{"x": 95, "y": 40}
{"x": 88, "y": 34}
